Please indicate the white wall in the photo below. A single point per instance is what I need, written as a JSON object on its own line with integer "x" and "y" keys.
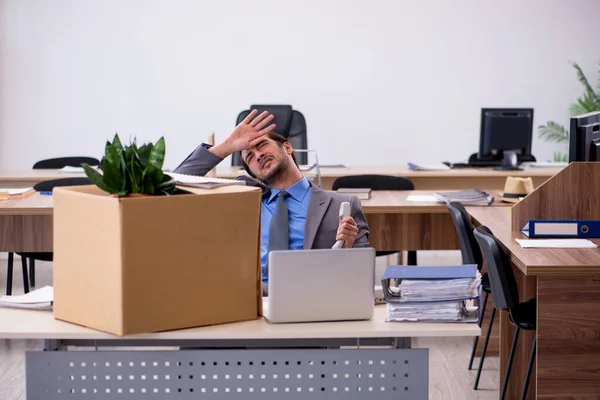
{"x": 380, "y": 82}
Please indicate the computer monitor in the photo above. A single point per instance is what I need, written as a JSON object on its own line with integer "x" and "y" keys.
{"x": 506, "y": 135}
{"x": 584, "y": 137}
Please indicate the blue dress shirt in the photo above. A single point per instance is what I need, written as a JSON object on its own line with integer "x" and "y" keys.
{"x": 297, "y": 204}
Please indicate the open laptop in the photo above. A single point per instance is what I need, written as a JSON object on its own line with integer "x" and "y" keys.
{"x": 321, "y": 285}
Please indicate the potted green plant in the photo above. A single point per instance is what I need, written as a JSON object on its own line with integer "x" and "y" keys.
{"x": 554, "y": 132}
{"x": 132, "y": 170}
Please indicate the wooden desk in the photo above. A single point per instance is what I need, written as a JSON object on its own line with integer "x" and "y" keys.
{"x": 566, "y": 284}
{"x": 33, "y": 324}
{"x": 395, "y": 223}
{"x": 463, "y": 178}
{"x": 224, "y": 361}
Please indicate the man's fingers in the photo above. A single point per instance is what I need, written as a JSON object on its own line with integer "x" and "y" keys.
{"x": 264, "y": 122}
{"x": 348, "y": 226}
{"x": 256, "y": 120}
{"x": 348, "y": 240}
{"x": 255, "y": 138}
{"x": 347, "y": 232}
{"x": 349, "y": 220}
{"x": 249, "y": 117}
{"x": 267, "y": 129}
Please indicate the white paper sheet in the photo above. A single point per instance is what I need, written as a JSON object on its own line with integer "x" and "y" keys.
{"x": 40, "y": 299}
{"x": 556, "y": 243}
{"x": 422, "y": 198}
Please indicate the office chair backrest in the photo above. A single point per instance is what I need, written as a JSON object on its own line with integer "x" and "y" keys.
{"x": 374, "y": 182}
{"x": 290, "y": 124}
{"x": 469, "y": 249}
{"x": 56, "y": 163}
{"x": 505, "y": 294}
{"x": 47, "y": 186}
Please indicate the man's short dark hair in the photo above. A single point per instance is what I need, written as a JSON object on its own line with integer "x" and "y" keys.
{"x": 280, "y": 140}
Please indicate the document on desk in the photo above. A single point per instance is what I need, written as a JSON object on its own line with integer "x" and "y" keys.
{"x": 40, "y": 299}
{"x": 556, "y": 243}
{"x": 422, "y": 198}
{"x": 74, "y": 170}
{"x": 203, "y": 182}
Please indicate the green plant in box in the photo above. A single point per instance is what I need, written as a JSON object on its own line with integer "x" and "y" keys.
{"x": 132, "y": 169}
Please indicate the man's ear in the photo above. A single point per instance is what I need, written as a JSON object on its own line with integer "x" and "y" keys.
{"x": 288, "y": 148}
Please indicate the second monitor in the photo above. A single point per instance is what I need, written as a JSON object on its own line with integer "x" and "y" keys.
{"x": 505, "y": 138}
{"x": 584, "y": 137}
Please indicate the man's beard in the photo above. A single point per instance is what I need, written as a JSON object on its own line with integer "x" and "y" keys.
{"x": 274, "y": 174}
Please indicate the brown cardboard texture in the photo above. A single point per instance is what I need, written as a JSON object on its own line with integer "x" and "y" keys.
{"x": 155, "y": 263}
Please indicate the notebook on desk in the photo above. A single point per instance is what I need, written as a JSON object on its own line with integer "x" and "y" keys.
{"x": 203, "y": 182}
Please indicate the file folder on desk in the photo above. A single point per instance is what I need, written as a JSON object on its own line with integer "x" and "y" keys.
{"x": 555, "y": 229}
{"x": 432, "y": 294}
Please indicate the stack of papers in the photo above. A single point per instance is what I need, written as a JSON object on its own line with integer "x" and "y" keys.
{"x": 432, "y": 294}
{"x": 428, "y": 167}
{"x": 443, "y": 311}
{"x": 556, "y": 243}
{"x": 473, "y": 197}
{"x": 20, "y": 193}
{"x": 203, "y": 182}
{"x": 40, "y": 299}
{"x": 438, "y": 289}
{"x": 74, "y": 170}
{"x": 362, "y": 194}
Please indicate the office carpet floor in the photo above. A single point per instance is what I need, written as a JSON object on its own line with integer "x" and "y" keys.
{"x": 448, "y": 357}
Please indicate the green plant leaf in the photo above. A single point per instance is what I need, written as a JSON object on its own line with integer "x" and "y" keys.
{"x": 167, "y": 185}
{"x": 560, "y": 157}
{"x": 144, "y": 154}
{"x": 135, "y": 174}
{"x": 111, "y": 154}
{"x": 112, "y": 169}
{"x": 588, "y": 88}
{"x": 553, "y": 132}
{"x": 584, "y": 105}
{"x": 97, "y": 179}
{"x": 157, "y": 154}
{"x": 117, "y": 143}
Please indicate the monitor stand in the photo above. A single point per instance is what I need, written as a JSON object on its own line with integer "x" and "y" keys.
{"x": 495, "y": 161}
{"x": 595, "y": 151}
{"x": 509, "y": 162}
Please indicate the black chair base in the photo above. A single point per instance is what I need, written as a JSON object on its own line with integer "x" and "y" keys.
{"x": 484, "y": 350}
{"x": 9, "y": 274}
{"x": 476, "y": 339}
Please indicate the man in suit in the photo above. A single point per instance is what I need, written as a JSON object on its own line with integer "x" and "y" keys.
{"x": 313, "y": 213}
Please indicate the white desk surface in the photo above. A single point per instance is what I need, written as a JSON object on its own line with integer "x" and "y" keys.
{"x": 33, "y": 324}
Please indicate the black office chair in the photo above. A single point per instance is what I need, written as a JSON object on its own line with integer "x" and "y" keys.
{"x": 378, "y": 182}
{"x": 57, "y": 163}
{"x": 290, "y": 124}
{"x": 471, "y": 254}
{"x": 505, "y": 296}
{"x": 47, "y": 186}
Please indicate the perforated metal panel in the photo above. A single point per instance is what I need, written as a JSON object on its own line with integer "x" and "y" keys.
{"x": 224, "y": 374}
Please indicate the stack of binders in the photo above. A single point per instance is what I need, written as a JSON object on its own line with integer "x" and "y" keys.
{"x": 431, "y": 294}
{"x": 472, "y": 197}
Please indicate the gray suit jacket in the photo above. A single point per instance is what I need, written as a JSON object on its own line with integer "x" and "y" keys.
{"x": 322, "y": 218}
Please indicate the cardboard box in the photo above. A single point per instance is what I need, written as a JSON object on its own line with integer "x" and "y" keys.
{"x": 155, "y": 263}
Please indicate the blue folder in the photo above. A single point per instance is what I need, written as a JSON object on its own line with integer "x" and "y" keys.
{"x": 561, "y": 228}
{"x": 444, "y": 272}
